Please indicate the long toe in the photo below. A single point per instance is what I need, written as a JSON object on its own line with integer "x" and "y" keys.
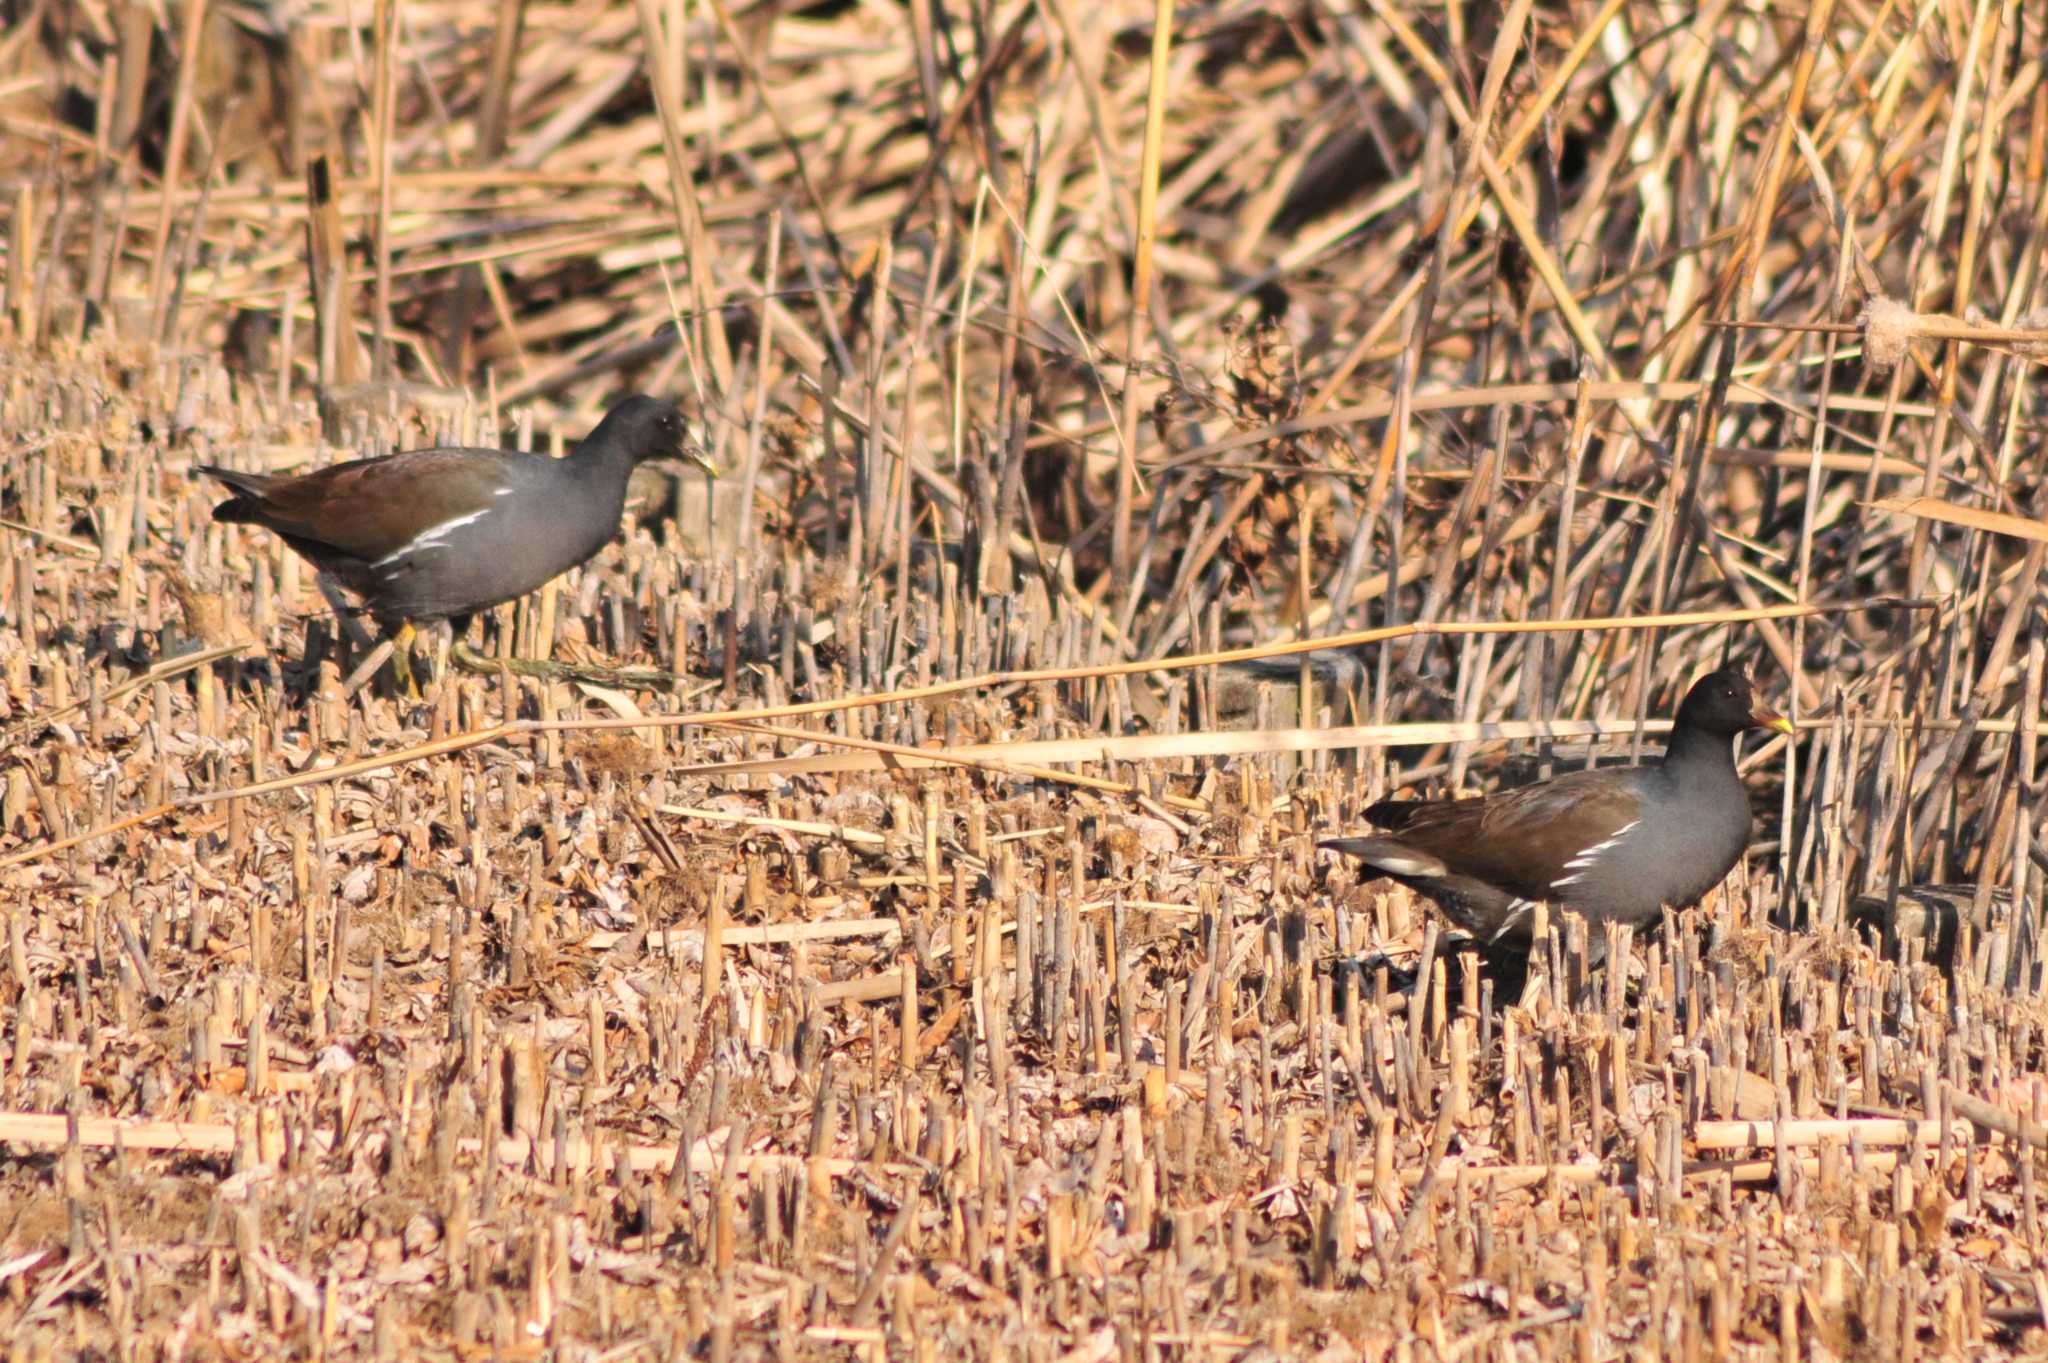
{"x": 644, "y": 678}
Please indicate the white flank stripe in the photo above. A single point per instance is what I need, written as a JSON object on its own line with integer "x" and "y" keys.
{"x": 1584, "y": 860}
{"x": 429, "y": 538}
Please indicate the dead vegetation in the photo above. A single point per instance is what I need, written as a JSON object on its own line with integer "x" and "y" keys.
{"x": 937, "y": 969}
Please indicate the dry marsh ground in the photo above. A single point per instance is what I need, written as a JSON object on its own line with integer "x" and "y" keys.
{"x": 943, "y": 965}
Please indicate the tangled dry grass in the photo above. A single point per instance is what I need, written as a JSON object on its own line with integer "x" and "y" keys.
{"x": 939, "y": 967}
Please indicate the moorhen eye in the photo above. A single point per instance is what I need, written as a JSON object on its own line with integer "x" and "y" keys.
{"x": 440, "y": 534}
{"x": 1615, "y": 846}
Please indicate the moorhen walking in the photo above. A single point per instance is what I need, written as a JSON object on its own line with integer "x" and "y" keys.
{"x": 439, "y": 534}
{"x": 1615, "y": 845}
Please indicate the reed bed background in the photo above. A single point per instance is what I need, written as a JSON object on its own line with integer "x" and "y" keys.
{"x": 944, "y": 966}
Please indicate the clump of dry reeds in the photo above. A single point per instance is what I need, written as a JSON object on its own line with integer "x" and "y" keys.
{"x": 939, "y": 968}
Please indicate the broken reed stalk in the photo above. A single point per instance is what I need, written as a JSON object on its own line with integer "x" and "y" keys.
{"x": 1140, "y": 319}
{"x": 579, "y": 1154}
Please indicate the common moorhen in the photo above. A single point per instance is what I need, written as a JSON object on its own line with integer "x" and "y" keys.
{"x": 1615, "y": 845}
{"x": 439, "y": 534}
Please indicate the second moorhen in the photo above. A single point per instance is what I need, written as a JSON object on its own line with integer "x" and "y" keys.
{"x": 1615, "y": 845}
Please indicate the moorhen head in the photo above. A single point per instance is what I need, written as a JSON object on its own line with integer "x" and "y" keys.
{"x": 439, "y": 534}
{"x": 1614, "y": 846}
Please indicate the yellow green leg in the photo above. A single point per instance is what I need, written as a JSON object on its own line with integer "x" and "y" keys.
{"x": 401, "y": 660}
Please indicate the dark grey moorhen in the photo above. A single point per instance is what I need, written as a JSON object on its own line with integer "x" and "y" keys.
{"x": 1614, "y": 846}
{"x": 440, "y": 534}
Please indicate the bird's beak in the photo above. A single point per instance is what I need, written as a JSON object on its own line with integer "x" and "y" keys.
{"x": 694, "y": 453}
{"x": 1770, "y": 719}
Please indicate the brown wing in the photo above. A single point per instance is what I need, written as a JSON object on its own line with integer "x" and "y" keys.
{"x": 1520, "y": 839}
{"x": 369, "y": 507}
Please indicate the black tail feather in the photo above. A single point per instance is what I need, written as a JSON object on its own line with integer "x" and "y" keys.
{"x": 246, "y": 506}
